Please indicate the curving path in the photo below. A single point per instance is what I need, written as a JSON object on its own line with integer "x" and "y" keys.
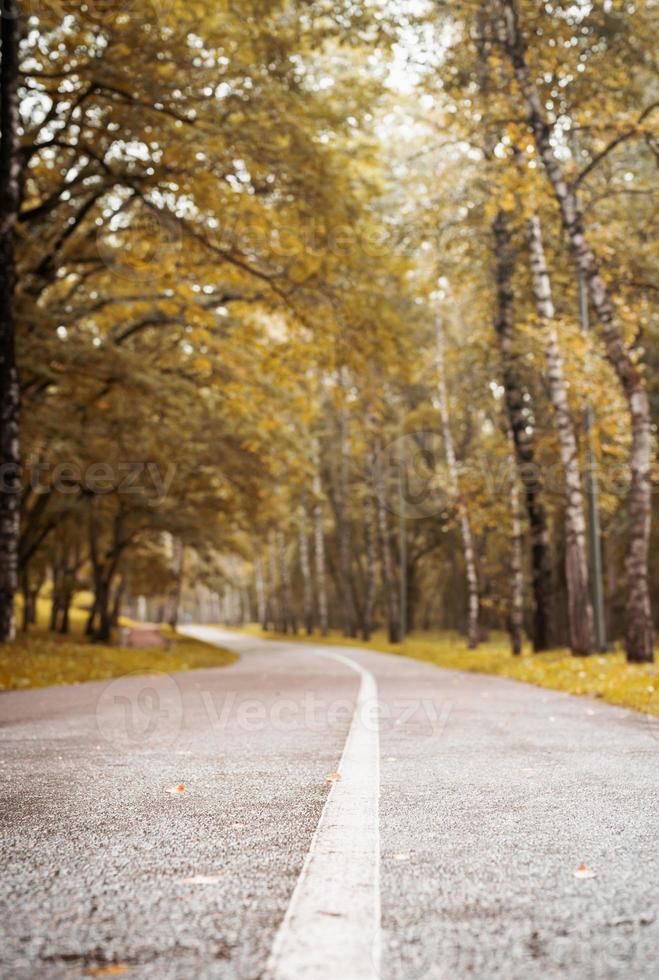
{"x": 446, "y": 849}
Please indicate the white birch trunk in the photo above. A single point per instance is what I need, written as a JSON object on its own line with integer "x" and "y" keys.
{"x": 388, "y": 578}
{"x": 319, "y": 542}
{"x": 369, "y": 547}
{"x": 454, "y": 477}
{"x": 639, "y": 633}
{"x": 580, "y": 609}
{"x": 305, "y": 569}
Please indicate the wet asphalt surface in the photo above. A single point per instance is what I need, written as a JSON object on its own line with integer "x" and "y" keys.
{"x": 492, "y": 793}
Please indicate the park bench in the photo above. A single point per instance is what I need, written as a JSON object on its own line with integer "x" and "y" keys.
{"x": 140, "y": 637}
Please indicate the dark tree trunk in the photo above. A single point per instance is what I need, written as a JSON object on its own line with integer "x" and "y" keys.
{"x": 388, "y": 577}
{"x": 117, "y": 600}
{"x": 32, "y": 606}
{"x": 175, "y": 599}
{"x": 64, "y": 624}
{"x": 103, "y": 629}
{"x": 25, "y": 592}
{"x": 10, "y": 196}
{"x": 273, "y": 591}
{"x": 516, "y": 618}
{"x": 91, "y": 619}
{"x": 412, "y": 589}
{"x": 524, "y": 441}
{"x": 289, "y": 619}
{"x": 54, "y": 612}
{"x": 104, "y": 566}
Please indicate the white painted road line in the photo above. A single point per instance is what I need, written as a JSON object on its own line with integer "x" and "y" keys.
{"x": 332, "y": 926}
{"x": 331, "y": 930}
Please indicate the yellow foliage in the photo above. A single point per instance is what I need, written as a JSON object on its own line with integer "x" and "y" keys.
{"x": 607, "y": 677}
{"x": 43, "y": 659}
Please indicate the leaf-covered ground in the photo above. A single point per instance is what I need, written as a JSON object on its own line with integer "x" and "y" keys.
{"x": 41, "y": 658}
{"x": 606, "y": 676}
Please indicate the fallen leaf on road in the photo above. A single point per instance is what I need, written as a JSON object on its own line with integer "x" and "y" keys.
{"x": 584, "y": 872}
{"x": 177, "y": 790}
{"x": 111, "y": 970}
{"x": 333, "y": 777}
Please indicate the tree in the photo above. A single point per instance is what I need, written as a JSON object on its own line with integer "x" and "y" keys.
{"x": 10, "y": 198}
{"x": 639, "y": 635}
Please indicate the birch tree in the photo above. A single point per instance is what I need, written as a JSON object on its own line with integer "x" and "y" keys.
{"x": 580, "y": 609}
{"x": 639, "y": 634}
{"x": 456, "y": 492}
{"x": 10, "y": 197}
{"x": 525, "y": 451}
{"x": 319, "y": 541}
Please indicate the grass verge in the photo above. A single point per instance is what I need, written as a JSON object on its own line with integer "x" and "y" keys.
{"x": 607, "y": 676}
{"x": 40, "y": 658}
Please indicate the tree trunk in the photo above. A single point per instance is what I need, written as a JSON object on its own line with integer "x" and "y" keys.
{"x": 91, "y": 619}
{"x": 369, "y": 547}
{"x": 402, "y": 541}
{"x": 463, "y": 513}
{"x": 388, "y": 579}
{"x": 516, "y": 560}
{"x": 104, "y": 568}
{"x": 523, "y": 439}
{"x": 32, "y": 606}
{"x": 259, "y": 587}
{"x": 639, "y": 633}
{"x": 305, "y": 569}
{"x": 580, "y": 610}
{"x": 289, "y": 620}
{"x": 10, "y": 196}
{"x": 64, "y": 624}
{"x": 343, "y": 530}
{"x": 319, "y": 543}
{"x": 103, "y": 630}
{"x": 55, "y": 609}
{"x": 116, "y": 603}
{"x": 175, "y": 598}
{"x": 275, "y": 606}
{"x": 25, "y": 592}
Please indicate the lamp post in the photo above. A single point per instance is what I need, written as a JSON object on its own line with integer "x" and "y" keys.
{"x": 402, "y": 534}
{"x": 592, "y": 494}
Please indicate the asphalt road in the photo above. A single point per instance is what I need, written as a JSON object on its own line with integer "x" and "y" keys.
{"x": 446, "y": 849}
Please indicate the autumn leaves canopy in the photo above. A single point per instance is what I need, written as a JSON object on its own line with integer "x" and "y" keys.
{"x": 228, "y": 238}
